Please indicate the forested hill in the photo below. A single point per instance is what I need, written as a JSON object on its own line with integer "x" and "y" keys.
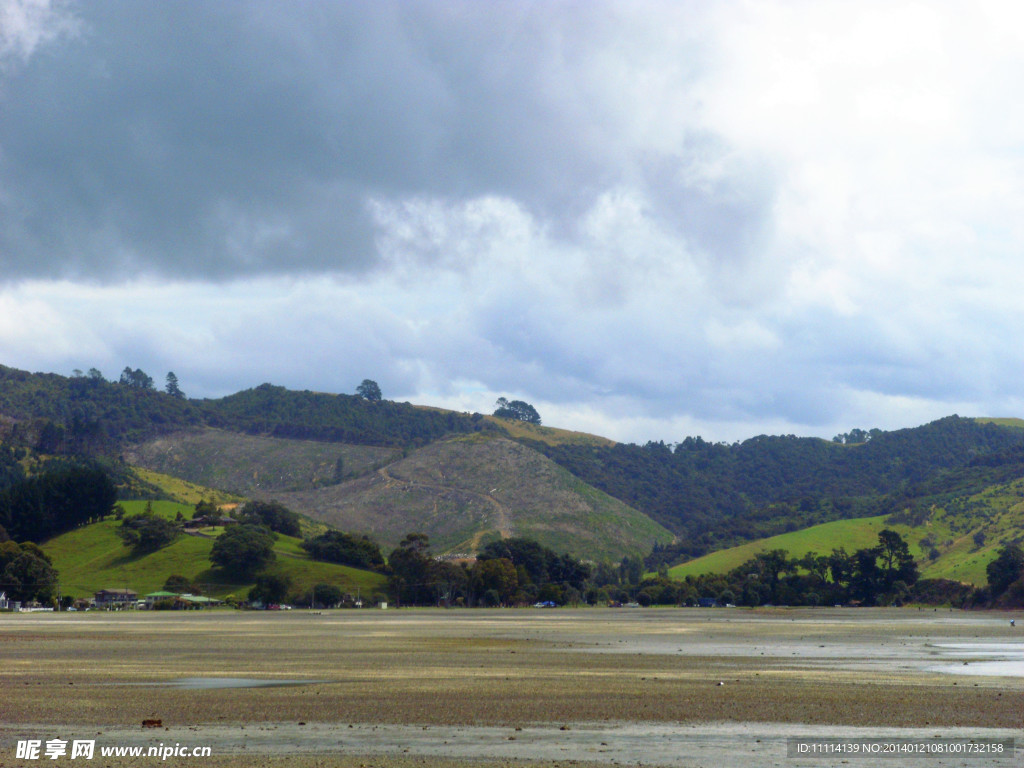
{"x": 714, "y": 495}
{"x": 88, "y": 414}
{"x": 280, "y": 412}
{"x": 84, "y": 414}
{"x": 711, "y": 495}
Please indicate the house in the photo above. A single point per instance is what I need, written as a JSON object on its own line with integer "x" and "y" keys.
{"x": 181, "y": 601}
{"x": 116, "y": 598}
{"x": 5, "y": 604}
{"x": 154, "y": 597}
{"x": 196, "y": 601}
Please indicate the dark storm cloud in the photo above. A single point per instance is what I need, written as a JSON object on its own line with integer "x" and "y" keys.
{"x": 730, "y": 217}
{"x": 173, "y": 138}
{"x": 218, "y": 139}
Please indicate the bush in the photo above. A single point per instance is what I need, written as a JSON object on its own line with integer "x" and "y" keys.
{"x": 270, "y": 588}
{"x": 147, "y": 532}
{"x": 1005, "y": 569}
{"x": 323, "y": 596}
{"x": 28, "y": 577}
{"x": 272, "y": 514}
{"x": 345, "y": 549}
{"x": 243, "y": 549}
{"x": 1013, "y": 597}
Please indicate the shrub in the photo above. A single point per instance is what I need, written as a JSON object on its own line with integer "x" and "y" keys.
{"x": 345, "y": 549}
{"x": 243, "y": 549}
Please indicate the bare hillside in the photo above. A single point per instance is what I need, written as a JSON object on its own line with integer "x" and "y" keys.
{"x": 466, "y": 491}
{"x": 253, "y": 465}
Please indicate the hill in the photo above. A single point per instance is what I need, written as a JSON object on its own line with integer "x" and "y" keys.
{"x": 462, "y": 492}
{"x": 822, "y": 539}
{"x": 94, "y": 557}
{"x": 466, "y": 491}
{"x": 524, "y": 432}
{"x": 713, "y": 496}
{"x": 87, "y": 413}
{"x": 279, "y": 412}
{"x": 953, "y": 535}
{"x": 342, "y": 458}
{"x": 246, "y": 464}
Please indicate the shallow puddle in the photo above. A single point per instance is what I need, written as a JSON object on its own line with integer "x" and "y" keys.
{"x": 213, "y": 683}
{"x": 993, "y": 659}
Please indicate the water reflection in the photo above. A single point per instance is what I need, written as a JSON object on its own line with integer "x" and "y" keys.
{"x": 995, "y": 659}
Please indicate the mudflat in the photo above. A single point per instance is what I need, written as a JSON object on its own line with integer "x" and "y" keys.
{"x": 429, "y": 687}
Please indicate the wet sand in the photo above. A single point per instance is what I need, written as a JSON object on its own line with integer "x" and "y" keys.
{"x": 660, "y": 687}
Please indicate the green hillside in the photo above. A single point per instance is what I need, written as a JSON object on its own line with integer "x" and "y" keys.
{"x": 521, "y": 430}
{"x": 463, "y": 491}
{"x": 851, "y": 534}
{"x": 954, "y": 537}
{"x": 387, "y": 469}
{"x": 1004, "y": 422}
{"x": 184, "y": 492}
{"x": 93, "y": 557}
{"x": 717, "y": 495}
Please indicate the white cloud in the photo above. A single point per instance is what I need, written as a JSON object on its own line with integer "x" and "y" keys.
{"x": 653, "y": 220}
{"x": 25, "y": 25}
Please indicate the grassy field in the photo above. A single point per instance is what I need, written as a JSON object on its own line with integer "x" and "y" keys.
{"x": 184, "y": 492}
{"x": 1005, "y": 422}
{"x": 955, "y": 539}
{"x": 961, "y": 560}
{"x": 851, "y": 534}
{"x": 521, "y": 430}
{"x": 92, "y": 558}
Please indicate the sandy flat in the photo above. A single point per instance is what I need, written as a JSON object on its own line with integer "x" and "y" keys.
{"x": 659, "y": 687}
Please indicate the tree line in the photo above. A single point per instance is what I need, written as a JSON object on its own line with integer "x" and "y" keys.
{"x": 86, "y": 413}
{"x": 717, "y": 495}
{"x": 58, "y": 497}
{"x": 61, "y": 497}
{"x": 515, "y": 571}
{"x": 885, "y": 574}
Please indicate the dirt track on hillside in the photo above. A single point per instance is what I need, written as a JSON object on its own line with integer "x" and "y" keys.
{"x": 502, "y": 523}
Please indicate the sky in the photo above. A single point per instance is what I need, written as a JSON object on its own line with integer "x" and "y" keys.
{"x": 648, "y": 219}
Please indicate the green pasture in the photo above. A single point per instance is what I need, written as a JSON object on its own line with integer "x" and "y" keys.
{"x": 950, "y": 533}
{"x": 93, "y": 557}
{"x": 851, "y": 534}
